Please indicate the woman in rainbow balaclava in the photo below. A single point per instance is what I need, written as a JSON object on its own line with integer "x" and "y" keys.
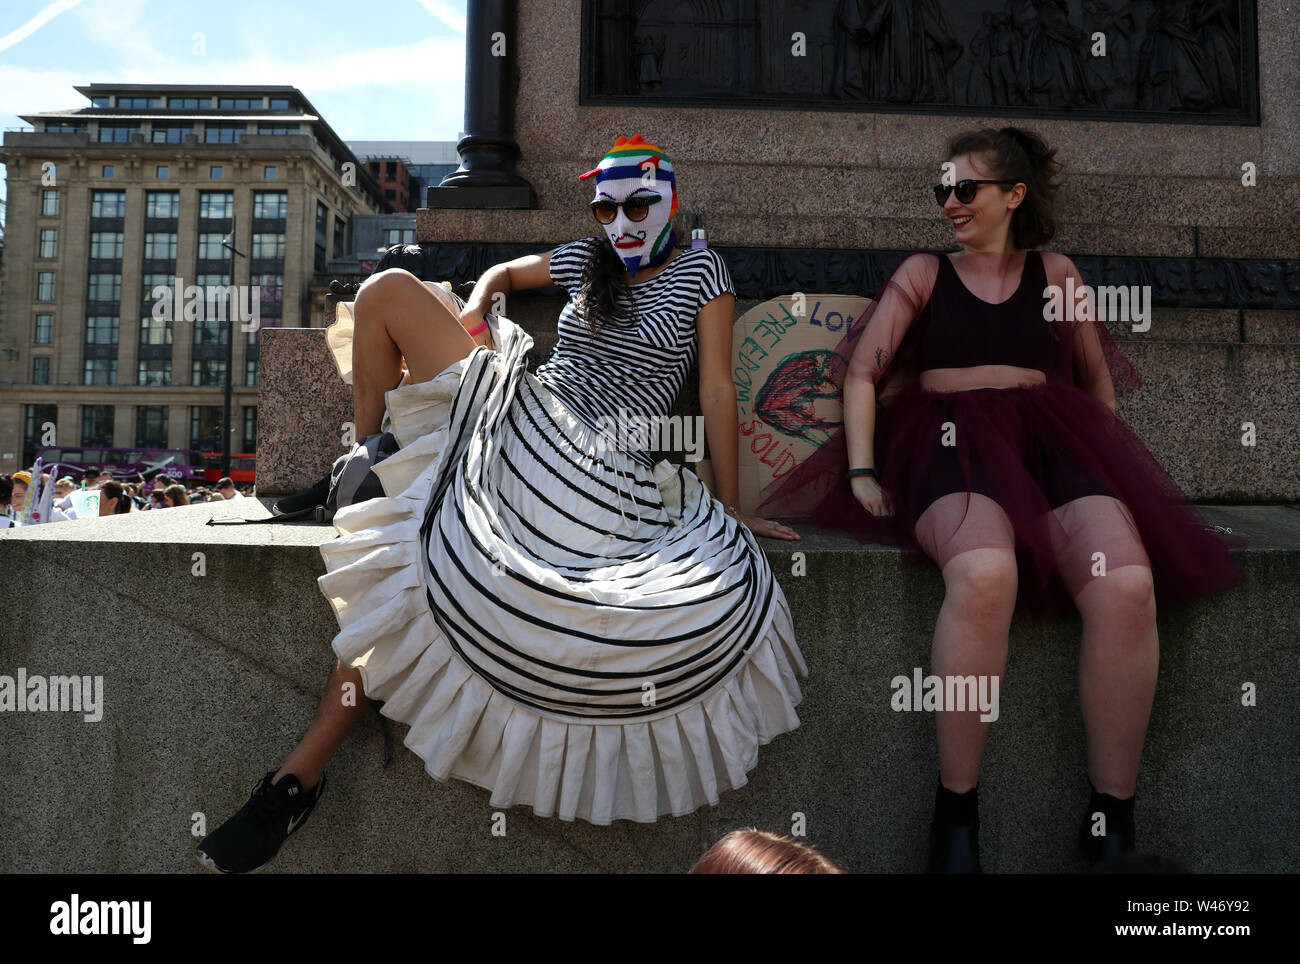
{"x": 557, "y": 614}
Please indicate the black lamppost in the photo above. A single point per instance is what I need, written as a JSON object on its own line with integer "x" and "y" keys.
{"x": 232, "y": 305}
{"x": 488, "y": 152}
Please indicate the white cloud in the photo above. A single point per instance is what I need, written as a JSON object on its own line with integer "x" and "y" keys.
{"x": 451, "y": 14}
{"x": 41, "y": 19}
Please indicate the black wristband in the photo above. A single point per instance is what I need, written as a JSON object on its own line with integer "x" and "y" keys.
{"x": 854, "y": 473}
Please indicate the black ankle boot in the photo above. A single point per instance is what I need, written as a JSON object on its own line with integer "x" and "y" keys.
{"x": 955, "y": 833}
{"x": 1120, "y": 833}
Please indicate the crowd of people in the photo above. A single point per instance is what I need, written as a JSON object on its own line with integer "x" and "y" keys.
{"x": 116, "y": 496}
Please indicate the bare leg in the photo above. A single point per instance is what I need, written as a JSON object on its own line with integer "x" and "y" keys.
{"x": 970, "y": 638}
{"x": 396, "y": 317}
{"x": 971, "y": 539}
{"x": 340, "y": 708}
{"x": 1118, "y": 663}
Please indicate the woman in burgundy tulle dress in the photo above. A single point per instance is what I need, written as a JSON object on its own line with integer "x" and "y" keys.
{"x": 1001, "y": 457}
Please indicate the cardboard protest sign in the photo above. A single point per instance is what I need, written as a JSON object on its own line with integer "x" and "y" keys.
{"x": 788, "y": 406}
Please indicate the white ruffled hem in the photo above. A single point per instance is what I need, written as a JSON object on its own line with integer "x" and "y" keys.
{"x": 462, "y": 727}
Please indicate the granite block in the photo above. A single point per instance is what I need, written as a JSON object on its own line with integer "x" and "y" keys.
{"x": 208, "y": 681}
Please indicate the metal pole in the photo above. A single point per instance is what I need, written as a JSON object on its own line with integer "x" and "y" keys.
{"x": 230, "y": 359}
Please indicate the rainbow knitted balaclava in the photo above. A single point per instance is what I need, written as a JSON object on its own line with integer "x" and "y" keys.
{"x": 635, "y": 167}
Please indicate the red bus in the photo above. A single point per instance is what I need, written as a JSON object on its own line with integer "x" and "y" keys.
{"x": 243, "y": 468}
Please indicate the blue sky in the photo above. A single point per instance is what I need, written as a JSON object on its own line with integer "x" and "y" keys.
{"x": 374, "y": 71}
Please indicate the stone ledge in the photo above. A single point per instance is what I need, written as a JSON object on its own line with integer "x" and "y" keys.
{"x": 209, "y": 681}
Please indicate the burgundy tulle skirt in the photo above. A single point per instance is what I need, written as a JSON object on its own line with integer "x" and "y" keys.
{"x": 1046, "y": 470}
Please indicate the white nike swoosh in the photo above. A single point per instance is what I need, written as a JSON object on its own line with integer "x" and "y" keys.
{"x": 295, "y": 824}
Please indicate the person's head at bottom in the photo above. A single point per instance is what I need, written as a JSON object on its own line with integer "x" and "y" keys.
{"x": 176, "y": 495}
{"x": 226, "y": 488}
{"x": 113, "y": 499}
{"x": 754, "y": 851}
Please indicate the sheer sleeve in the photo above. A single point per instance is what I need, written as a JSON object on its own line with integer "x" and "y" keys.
{"x": 880, "y": 330}
{"x": 876, "y": 348}
{"x": 1095, "y": 363}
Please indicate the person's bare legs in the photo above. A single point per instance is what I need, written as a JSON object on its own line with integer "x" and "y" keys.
{"x": 971, "y": 539}
{"x": 396, "y": 317}
{"x": 340, "y": 708}
{"x": 970, "y": 639}
{"x": 1118, "y": 663}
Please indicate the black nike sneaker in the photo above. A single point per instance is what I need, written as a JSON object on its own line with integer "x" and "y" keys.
{"x": 248, "y": 840}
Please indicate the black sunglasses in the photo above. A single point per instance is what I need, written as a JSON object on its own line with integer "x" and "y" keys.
{"x": 636, "y": 208}
{"x": 966, "y": 189}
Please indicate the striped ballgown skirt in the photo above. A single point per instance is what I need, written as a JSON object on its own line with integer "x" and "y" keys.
{"x": 557, "y": 621}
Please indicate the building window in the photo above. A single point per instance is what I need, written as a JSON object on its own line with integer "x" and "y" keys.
{"x": 239, "y": 103}
{"x": 206, "y": 281}
{"x": 159, "y": 246}
{"x": 279, "y": 103}
{"x": 100, "y": 371}
{"x": 214, "y": 172}
{"x": 35, "y": 418}
{"x": 216, "y": 204}
{"x": 320, "y": 262}
{"x": 40, "y": 371}
{"x": 49, "y": 243}
{"x": 107, "y": 170}
{"x": 250, "y": 428}
{"x": 214, "y": 133}
{"x": 210, "y": 248}
{"x": 44, "y": 329}
{"x": 108, "y": 204}
{"x": 400, "y": 236}
{"x": 150, "y": 281}
{"x": 45, "y": 286}
{"x": 101, "y": 102}
{"x": 155, "y": 372}
{"x": 270, "y": 204}
{"x": 65, "y": 127}
{"x": 160, "y": 172}
{"x": 171, "y": 133}
{"x": 322, "y": 222}
{"x": 97, "y": 425}
{"x": 106, "y": 245}
{"x": 250, "y": 372}
{"x": 208, "y": 371}
{"x": 50, "y": 203}
{"x": 340, "y": 235}
{"x": 117, "y": 134}
{"x": 162, "y": 204}
{"x": 211, "y": 331}
{"x": 271, "y": 288}
{"x": 268, "y": 172}
{"x": 155, "y": 331}
{"x": 190, "y": 103}
{"x": 205, "y": 428}
{"x": 151, "y": 426}
{"x": 105, "y": 287}
{"x": 390, "y": 194}
{"x": 101, "y": 330}
{"x": 278, "y": 129}
{"x": 139, "y": 102}
{"x": 268, "y": 246}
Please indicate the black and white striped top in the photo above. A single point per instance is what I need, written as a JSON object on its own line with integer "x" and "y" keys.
{"x": 637, "y": 366}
